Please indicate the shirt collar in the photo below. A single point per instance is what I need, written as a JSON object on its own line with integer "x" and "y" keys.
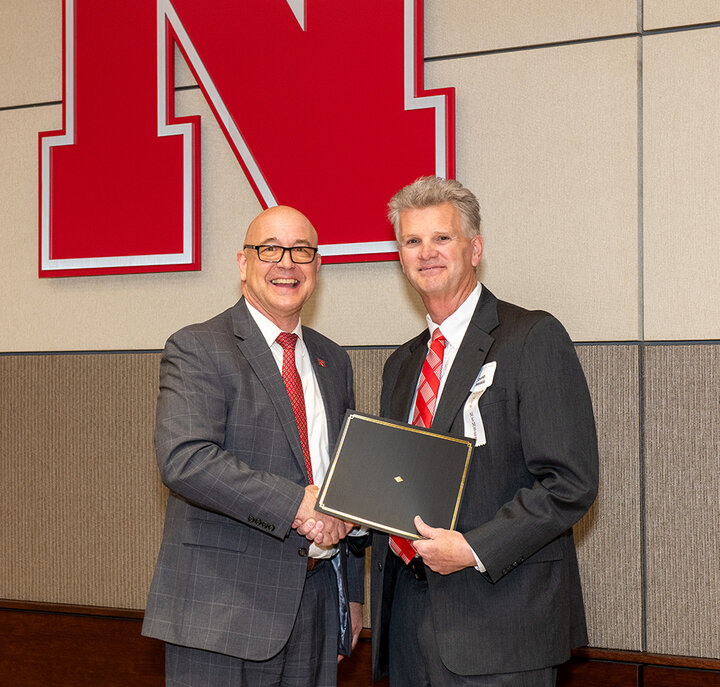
{"x": 455, "y": 326}
{"x": 267, "y": 327}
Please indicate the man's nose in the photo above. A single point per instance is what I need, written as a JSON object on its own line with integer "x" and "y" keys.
{"x": 427, "y": 250}
{"x": 286, "y": 260}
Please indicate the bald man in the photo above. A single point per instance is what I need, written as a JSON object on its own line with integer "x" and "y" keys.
{"x": 250, "y": 402}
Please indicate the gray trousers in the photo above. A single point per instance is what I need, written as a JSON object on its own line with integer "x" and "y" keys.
{"x": 309, "y": 659}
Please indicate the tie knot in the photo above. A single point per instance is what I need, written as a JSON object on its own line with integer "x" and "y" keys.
{"x": 287, "y": 340}
{"x": 438, "y": 336}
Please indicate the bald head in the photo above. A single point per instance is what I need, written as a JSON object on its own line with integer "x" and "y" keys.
{"x": 273, "y": 219}
{"x": 278, "y": 289}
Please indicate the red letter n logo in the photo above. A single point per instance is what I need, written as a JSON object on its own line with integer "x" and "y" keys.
{"x": 321, "y": 101}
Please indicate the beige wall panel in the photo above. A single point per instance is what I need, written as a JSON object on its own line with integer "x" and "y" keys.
{"x": 113, "y": 312}
{"x": 609, "y": 536}
{"x": 660, "y": 14}
{"x": 548, "y": 140}
{"x": 365, "y": 304}
{"x": 141, "y": 311}
{"x": 681, "y": 132}
{"x": 30, "y": 51}
{"x": 461, "y": 26}
{"x": 682, "y": 506}
{"x": 82, "y": 506}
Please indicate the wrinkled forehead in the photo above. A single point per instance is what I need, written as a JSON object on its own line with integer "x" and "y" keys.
{"x": 441, "y": 218}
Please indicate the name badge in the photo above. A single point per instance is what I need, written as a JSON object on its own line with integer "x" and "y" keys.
{"x": 474, "y": 428}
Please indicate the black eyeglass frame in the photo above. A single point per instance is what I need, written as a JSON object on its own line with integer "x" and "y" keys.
{"x": 291, "y": 249}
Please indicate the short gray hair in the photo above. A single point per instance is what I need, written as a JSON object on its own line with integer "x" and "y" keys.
{"x": 429, "y": 191}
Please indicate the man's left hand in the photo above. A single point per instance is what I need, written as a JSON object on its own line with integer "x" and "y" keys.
{"x": 443, "y": 551}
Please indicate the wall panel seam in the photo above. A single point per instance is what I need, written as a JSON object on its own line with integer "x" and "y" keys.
{"x": 373, "y": 347}
{"x": 640, "y": 33}
{"x": 643, "y": 512}
{"x": 532, "y": 46}
{"x": 641, "y": 334}
{"x": 29, "y": 106}
{"x": 641, "y": 195}
{"x": 479, "y": 53}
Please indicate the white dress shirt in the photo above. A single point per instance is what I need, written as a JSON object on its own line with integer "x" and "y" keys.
{"x": 453, "y": 329}
{"x": 314, "y": 406}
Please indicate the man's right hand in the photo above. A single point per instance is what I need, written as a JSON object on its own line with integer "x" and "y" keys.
{"x": 319, "y": 528}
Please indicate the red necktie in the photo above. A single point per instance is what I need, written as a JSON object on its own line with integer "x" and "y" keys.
{"x": 423, "y": 415}
{"x": 293, "y": 384}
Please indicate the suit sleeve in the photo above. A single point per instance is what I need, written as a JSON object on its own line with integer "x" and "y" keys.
{"x": 189, "y": 436}
{"x": 558, "y": 445}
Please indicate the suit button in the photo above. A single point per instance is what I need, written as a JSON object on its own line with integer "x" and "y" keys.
{"x": 379, "y": 566}
{"x": 303, "y": 552}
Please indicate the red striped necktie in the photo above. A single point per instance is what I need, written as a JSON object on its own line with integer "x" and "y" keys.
{"x": 293, "y": 384}
{"x": 422, "y": 416}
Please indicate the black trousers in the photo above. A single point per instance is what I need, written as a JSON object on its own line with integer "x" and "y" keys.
{"x": 414, "y": 658}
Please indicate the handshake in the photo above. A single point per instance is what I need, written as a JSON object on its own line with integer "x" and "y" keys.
{"x": 319, "y": 528}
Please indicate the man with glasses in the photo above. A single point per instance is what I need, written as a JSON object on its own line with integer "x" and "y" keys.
{"x": 250, "y": 403}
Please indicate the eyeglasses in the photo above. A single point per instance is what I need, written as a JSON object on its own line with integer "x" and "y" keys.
{"x": 298, "y": 254}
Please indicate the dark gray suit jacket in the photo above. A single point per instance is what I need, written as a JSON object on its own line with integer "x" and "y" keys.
{"x": 231, "y": 570}
{"x": 533, "y": 479}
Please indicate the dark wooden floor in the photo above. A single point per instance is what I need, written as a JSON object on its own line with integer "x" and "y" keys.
{"x": 46, "y": 645}
{"x": 356, "y": 671}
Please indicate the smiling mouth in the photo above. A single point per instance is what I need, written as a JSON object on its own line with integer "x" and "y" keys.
{"x": 284, "y": 282}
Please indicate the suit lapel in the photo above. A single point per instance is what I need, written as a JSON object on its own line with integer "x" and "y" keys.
{"x": 253, "y": 346}
{"x": 469, "y": 359}
{"x": 407, "y": 379}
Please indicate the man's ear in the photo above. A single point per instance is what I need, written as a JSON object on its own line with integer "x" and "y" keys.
{"x": 242, "y": 263}
{"x": 477, "y": 250}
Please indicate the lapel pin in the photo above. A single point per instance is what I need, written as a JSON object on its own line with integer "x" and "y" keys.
{"x": 321, "y": 362}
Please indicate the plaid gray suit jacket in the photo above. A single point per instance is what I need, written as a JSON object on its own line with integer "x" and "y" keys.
{"x": 231, "y": 570}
